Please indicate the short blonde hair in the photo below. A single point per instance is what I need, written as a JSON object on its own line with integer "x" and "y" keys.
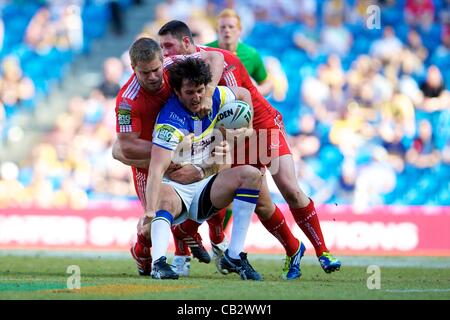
{"x": 229, "y": 13}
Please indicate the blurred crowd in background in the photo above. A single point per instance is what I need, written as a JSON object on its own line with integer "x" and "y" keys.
{"x": 367, "y": 106}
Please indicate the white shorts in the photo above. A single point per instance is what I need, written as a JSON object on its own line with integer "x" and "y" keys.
{"x": 190, "y": 195}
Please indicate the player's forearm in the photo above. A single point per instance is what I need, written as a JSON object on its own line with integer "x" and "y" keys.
{"x": 141, "y": 163}
{"x": 215, "y": 61}
{"x": 244, "y": 95}
{"x": 159, "y": 163}
{"x": 153, "y": 188}
{"x": 119, "y": 156}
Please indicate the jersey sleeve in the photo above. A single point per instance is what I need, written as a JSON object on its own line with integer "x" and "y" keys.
{"x": 127, "y": 116}
{"x": 169, "y": 129}
{"x": 167, "y": 136}
{"x": 168, "y": 61}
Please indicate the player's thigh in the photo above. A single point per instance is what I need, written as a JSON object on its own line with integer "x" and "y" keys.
{"x": 286, "y": 179}
{"x": 169, "y": 200}
{"x": 228, "y": 181}
{"x": 282, "y": 170}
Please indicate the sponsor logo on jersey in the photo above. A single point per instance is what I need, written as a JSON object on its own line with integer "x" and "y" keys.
{"x": 124, "y": 117}
{"x": 124, "y": 105}
{"x": 165, "y": 133}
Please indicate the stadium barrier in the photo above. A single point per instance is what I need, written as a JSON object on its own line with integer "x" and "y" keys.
{"x": 387, "y": 230}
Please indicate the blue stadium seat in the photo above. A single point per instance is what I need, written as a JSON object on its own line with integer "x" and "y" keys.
{"x": 293, "y": 59}
{"x": 42, "y": 86}
{"x": 400, "y": 4}
{"x": 428, "y": 184}
{"x": 373, "y": 34}
{"x": 390, "y": 15}
{"x": 361, "y": 45}
{"x": 331, "y": 156}
{"x": 447, "y": 79}
{"x": 10, "y": 11}
{"x": 411, "y": 172}
{"x": 95, "y": 19}
{"x": 444, "y": 195}
{"x": 390, "y": 198}
{"x": 307, "y": 70}
{"x": 125, "y": 4}
{"x": 33, "y": 67}
{"x": 287, "y": 32}
{"x": 54, "y": 59}
{"x": 431, "y": 38}
{"x": 401, "y": 30}
{"x": 414, "y": 197}
{"x": 442, "y": 174}
{"x": 262, "y": 29}
{"x": 402, "y": 183}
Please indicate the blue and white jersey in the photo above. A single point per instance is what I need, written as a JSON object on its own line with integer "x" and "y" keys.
{"x": 175, "y": 121}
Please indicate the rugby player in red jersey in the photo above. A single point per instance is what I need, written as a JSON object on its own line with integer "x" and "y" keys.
{"x": 137, "y": 106}
{"x": 175, "y": 39}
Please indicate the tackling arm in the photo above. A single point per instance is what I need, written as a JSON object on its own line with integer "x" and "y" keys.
{"x": 215, "y": 61}
{"x": 132, "y": 146}
{"x": 182, "y": 174}
{"x": 117, "y": 154}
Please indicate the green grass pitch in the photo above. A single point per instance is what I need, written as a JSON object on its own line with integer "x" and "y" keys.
{"x": 39, "y": 275}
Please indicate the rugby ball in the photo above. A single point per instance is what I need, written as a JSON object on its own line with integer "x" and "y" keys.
{"x": 234, "y": 115}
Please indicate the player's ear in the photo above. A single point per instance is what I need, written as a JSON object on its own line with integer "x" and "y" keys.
{"x": 186, "y": 41}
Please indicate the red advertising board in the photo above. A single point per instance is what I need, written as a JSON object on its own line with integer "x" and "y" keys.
{"x": 379, "y": 231}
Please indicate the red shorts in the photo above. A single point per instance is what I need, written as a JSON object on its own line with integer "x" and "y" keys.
{"x": 140, "y": 182}
{"x": 268, "y": 142}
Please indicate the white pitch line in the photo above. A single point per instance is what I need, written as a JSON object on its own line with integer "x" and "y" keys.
{"x": 18, "y": 279}
{"x": 354, "y": 261}
{"x": 381, "y": 261}
{"x": 417, "y": 290}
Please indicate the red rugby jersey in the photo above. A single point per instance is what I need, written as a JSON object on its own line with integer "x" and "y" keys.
{"x": 137, "y": 109}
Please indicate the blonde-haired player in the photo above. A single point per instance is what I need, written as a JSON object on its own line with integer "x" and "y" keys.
{"x": 229, "y": 30}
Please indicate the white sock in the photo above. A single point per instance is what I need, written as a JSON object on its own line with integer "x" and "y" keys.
{"x": 242, "y": 215}
{"x": 161, "y": 234}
